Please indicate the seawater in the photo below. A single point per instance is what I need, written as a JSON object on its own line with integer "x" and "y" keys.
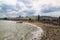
{"x": 10, "y": 30}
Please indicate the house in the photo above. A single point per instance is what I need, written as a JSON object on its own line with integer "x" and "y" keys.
{"x": 49, "y": 19}
{"x": 34, "y": 18}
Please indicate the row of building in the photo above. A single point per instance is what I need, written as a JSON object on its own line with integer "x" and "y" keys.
{"x": 45, "y": 19}
{"x": 34, "y": 18}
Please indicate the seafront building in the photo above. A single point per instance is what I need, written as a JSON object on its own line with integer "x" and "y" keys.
{"x": 45, "y": 19}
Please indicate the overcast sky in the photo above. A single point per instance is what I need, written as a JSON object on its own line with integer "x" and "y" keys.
{"x": 13, "y": 8}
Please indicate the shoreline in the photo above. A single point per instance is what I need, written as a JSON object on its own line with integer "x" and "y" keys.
{"x": 51, "y": 32}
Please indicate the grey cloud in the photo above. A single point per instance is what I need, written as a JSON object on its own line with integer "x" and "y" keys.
{"x": 29, "y": 12}
{"x": 26, "y": 2}
{"x": 49, "y": 8}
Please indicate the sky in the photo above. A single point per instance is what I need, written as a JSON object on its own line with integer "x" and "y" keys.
{"x": 14, "y": 8}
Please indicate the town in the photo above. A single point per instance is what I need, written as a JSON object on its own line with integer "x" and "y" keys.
{"x": 43, "y": 19}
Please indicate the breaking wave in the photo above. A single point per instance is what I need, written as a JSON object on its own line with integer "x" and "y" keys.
{"x": 20, "y": 31}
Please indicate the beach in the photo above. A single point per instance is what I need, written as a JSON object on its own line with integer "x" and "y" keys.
{"x": 52, "y": 32}
{"x": 28, "y": 30}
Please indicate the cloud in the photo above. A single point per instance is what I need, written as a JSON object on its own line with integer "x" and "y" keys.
{"x": 11, "y": 8}
{"x": 53, "y": 14}
{"x": 49, "y": 8}
{"x": 9, "y": 2}
{"x": 30, "y": 12}
{"x": 45, "y": 6}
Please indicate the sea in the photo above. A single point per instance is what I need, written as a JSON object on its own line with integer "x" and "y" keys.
{"x": 11, "y": 30}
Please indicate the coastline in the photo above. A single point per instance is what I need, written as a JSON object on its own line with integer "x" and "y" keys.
{"x": 51, "y": 32}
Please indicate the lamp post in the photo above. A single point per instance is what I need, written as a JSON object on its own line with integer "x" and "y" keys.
{"x": 59, "y": 20}
{"x": 38, "y": 17}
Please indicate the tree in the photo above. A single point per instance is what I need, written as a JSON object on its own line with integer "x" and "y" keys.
{"x": 5, "y": 18}
{"x": 29, "y": 18}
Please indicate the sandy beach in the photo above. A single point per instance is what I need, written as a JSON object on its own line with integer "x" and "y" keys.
{"x": 52, "y": 32}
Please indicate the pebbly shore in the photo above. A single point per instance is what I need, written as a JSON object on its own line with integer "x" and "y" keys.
{"x": 52, "y": 32}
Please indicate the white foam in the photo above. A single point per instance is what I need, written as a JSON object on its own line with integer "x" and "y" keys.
{"x": 24, "y": 31}
{"x": 36, "y": 35}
